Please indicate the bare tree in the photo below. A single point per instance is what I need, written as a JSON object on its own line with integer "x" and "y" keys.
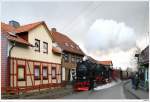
{"x": 134, "y": 58}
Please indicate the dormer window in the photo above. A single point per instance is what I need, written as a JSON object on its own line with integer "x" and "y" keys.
{"x": 45, "y": 47}
{"x": 72, "y": 46}
{"x": 37, "y": 45}
{"x": 66, "y": 44}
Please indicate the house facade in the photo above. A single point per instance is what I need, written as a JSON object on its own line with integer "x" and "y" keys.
{"x": 70, "y": 56}
{"x": 31, "y": 63}
{"x": 143, "y": 68}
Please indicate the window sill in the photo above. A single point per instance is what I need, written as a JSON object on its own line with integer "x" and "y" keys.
{"x": 45, "y": 78}
{"x": 53, "y": 78}
{"x": 21, "y": 80}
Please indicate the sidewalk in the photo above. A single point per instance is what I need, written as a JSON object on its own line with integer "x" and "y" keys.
{"x": 139, "y": 93}
{"x": 45, "y": 94}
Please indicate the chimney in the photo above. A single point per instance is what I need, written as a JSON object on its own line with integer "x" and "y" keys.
{"x": 15, "y": 24}
{"x": 53, "y": 30}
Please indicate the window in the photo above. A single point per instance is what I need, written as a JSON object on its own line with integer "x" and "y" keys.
{"x": 37, "y": 72}
{"x": 73, "y": 58}
{"x": 45, "y": 47}
{"x": 37, "y": 45}
{"x": 66, "y": 57}
{"x": 53, "y": 72}
{"x": 66, "y": 44}
{"x": 78, "y": 59}
{"x": 21, "y": 73}
{"x": 45, "y": 73}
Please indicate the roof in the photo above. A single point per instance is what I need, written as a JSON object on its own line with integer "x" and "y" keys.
{"x": 28, "y": 27}
{"x": 91, "y": 59}
{"x": 7, "y": 30}
{"x": 105, "y": 62}
{"x": 66, "y": 43}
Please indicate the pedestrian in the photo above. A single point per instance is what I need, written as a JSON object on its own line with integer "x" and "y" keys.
{"x": 136, "y": 81}
{"x": 133, "y": 81}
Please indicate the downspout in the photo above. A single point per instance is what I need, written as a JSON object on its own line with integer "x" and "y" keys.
{"x": 62, "y": 56}
{"x": 14, "y": 44}
{"x": 9, "y": 62}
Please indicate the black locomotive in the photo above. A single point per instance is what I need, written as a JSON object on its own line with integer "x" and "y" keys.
{"x": 89, "y": 74}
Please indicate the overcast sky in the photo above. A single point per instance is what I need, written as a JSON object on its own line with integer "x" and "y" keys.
{"x": 104, "y": 30}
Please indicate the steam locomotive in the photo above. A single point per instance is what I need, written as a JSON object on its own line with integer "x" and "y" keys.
{"x": 86, "y": 70}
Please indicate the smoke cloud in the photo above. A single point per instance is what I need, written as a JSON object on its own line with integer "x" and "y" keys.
{"x": 104, "y": 35}
{"x": 111, "y": 40}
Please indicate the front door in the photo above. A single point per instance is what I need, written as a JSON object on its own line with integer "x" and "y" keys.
{"x": 63, "y": 74}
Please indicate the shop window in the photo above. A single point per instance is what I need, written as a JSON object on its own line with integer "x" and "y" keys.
{"x": 21, "y": 73}
{"x": 45, "y": 73}
{"x": 45, "y": 47}
{"x": 37, "y": 45}
{"x": 37, "y": 72}
{"x": 53, "y": 72}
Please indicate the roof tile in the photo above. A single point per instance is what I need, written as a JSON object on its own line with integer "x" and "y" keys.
{"x": 7, "y": 30}
{"x": 66, "y": 43}
{"x": 105, "y": 62}
{"x": 28, "y": 27}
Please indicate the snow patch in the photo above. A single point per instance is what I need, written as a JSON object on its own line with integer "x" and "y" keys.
{"x": 108, "y": 85}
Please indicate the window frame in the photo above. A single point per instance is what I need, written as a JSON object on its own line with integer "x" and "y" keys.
{"x": 46, "y": 52}
{"x": 37, "y": 40}
{"x": 78, "y": 59}
{"x": 45, "y": 77}
{"x": 36, "y": 77}
{"x": 66, "y": 55}
{"x": 73, "y": 57}
{"x": 24, "y": 73}
{"x": 53, "y": 68}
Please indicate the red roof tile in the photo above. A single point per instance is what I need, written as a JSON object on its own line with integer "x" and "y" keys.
{"x": 91, "y": 59}
{"x": 28, "y": 27}
{"x": 66, "y": 43}
{"x": 56, "y": 50}
{"x": 7, "y": 30}
{"x": 105, "y": 62}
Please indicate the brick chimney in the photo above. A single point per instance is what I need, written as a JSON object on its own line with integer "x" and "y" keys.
{"x": 15, "y": 24}
{"x": 53, "y": 29}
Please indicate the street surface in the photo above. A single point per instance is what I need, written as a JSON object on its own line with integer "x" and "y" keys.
{"x": 113, "y": 92}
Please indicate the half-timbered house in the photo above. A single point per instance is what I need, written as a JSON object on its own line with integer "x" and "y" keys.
{"x": 28, "y": 61}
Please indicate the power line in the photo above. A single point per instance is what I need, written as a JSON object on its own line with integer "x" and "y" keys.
{"x": 86, "y": 13}
{"x": 72, "y": 20}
